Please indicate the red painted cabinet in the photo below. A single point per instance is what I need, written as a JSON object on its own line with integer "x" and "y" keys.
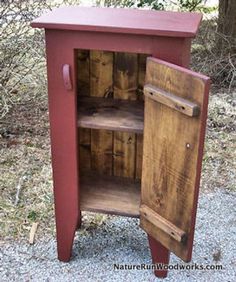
{"x": 127, "y": 122}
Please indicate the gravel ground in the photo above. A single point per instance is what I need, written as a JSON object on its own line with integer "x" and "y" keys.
{"x": 120, "y": 240}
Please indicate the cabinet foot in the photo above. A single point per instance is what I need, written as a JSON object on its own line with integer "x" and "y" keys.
{"x": 65, "y": 240}
{"x": 160, "y": 255}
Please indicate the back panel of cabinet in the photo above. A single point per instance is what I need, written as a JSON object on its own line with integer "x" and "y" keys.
{"x": 110, "y": 75}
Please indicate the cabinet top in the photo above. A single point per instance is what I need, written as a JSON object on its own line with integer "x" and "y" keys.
{"x": 117, "y": 20}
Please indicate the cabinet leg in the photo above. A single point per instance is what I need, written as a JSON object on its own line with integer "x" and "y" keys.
{"x": 65, "y": 238}
{"x": 64, "y": 140}
{"x": 66, "y": 211}
{"x": 160, "y": 255}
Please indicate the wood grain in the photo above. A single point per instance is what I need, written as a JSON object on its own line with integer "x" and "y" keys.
{"x": 125, "y": 87}
{"x": 95, "y": 78}
{"x": 101, "y": 81}
{"x": 139, "y": 137}
{"x": 124, "y": 154}
{"x": 139, "y": 155}
{"x": 109, "y": 194}
{"x": 112, "y": 114}
{"x": 101, "y": 69}
{"x": 142, "y": 58}
{"x": 84, "y": 149}
{"x": 83, "y": 86}
{"x": 101, "y": 151}
{"x": 173, "y": 147}
{"x": 83, "y": 73}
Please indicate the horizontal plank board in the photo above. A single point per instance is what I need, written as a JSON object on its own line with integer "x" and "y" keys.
{"x": 110, "y": 194}
{"x": 134, "y": 21}
{"x": 110, "y": 114}
{"x": 163, "y": 224}
{"x": 170, "y": 100}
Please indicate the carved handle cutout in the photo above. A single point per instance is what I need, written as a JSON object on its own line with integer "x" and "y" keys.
{"x": 67, "y": 77}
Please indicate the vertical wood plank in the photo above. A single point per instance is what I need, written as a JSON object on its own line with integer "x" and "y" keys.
{"x": 84, "y": 149}
{"x": 141, "y": 74}
{"x": 139, "y": 138}
{"x": 139, "y": 155}
{"x": 83, "y": 84}
{"x": 101, "y": 85}
{"x": 101, "y": 77}
{"x": 125, "y": 87}
{"x": 83, "y": 72}
{"x": 101, "y": 151}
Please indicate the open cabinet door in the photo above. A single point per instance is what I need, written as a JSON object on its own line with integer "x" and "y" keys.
{"x": 174, "y": 127}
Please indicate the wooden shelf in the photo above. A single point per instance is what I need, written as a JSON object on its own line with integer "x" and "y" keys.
{"x": 110, "y": 114}
{"x": 110, "y": 194}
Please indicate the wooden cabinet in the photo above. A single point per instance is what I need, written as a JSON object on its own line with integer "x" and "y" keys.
{"x": 127, "y": 122}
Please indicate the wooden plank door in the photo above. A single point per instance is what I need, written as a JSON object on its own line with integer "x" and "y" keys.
{"x": 174, "y": 128}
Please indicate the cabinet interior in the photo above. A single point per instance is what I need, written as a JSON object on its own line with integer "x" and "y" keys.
{"x": 110, "y": 130}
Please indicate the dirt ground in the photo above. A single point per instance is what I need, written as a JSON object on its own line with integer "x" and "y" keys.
{"x": 25, "y": 170}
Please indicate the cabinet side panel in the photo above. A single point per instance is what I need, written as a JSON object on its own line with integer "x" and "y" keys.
{"x": 64, "y": 140}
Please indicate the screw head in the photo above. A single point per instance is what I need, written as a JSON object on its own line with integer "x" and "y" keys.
{"x": 188, "y": 145}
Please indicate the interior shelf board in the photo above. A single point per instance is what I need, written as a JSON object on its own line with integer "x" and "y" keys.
{"x": 111, "y": 114}
{"x": 110, "y": 194}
